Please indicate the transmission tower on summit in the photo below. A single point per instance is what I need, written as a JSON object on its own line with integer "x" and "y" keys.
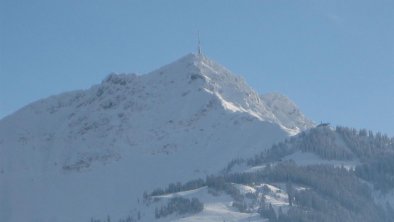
{"x": 198, "y": 44}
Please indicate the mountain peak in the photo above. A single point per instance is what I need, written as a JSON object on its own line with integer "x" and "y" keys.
{"x": 192, "y": 63}
{"x": 184, "y": 120}
{"x": 233, "y": 92}
{"x": 193, "y": 58}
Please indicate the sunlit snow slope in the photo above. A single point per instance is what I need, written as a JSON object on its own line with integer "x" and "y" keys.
{"x": 93, "y": 152}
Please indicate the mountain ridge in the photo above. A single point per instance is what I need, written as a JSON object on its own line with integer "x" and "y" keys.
{"x": 322, "y": 174}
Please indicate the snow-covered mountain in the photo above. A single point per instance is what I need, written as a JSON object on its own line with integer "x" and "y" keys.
{"x": 93, "y": 152}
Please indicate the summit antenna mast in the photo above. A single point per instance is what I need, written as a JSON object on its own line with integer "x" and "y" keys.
{"x": 198, "y": 44}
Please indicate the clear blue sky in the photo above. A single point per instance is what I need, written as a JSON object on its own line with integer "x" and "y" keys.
{"x": 334, "y": 58}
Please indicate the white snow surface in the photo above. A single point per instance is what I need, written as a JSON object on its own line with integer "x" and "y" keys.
{"x": 92, "y": 153}
{"x": 217, "y": 208}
